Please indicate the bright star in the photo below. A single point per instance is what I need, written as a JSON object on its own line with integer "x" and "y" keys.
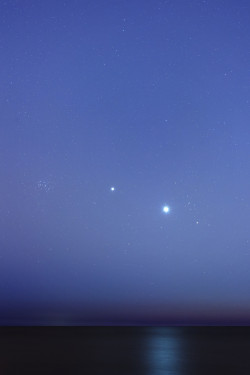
{"x": 112, "y": 188}
{"x": 166, "y": 209}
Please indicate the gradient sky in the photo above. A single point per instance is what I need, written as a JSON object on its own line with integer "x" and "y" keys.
{"x": 151, "y": 98}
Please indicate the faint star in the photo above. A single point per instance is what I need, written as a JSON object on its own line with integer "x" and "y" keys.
{"x": 44, "y": 185}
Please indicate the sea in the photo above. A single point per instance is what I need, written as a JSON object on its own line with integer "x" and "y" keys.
{"x": 130, "y": 350}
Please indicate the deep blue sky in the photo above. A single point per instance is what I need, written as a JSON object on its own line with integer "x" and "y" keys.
{"x": 150, "y": 97}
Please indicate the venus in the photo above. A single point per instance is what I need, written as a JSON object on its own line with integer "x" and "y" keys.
{"x": 166, "y": 209}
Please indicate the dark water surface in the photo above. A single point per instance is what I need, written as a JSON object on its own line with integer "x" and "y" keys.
{"x": 125, "y": 350}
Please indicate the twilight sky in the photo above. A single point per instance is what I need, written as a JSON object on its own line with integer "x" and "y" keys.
{"x": 151, "y": 98}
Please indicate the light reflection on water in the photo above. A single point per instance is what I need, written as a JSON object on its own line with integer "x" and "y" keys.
{"x": 164, "y": 351}
{"x": 126, "y": 350}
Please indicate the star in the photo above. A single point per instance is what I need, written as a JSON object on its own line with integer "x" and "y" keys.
{"x": 44, "y": 185}
{"x": 112, "y": 188}
{"x": 166, "y": 209}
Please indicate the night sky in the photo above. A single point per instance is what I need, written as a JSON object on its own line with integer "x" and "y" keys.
{"x": 111, "y": 111}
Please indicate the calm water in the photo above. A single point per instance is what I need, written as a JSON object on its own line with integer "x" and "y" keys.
{"x": 125, "y": 350}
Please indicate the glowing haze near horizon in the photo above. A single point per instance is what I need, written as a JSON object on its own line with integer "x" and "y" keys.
{"x": 111, "y": 111}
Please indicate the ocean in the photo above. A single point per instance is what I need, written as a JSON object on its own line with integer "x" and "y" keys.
{"x": 125, "y": 350}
